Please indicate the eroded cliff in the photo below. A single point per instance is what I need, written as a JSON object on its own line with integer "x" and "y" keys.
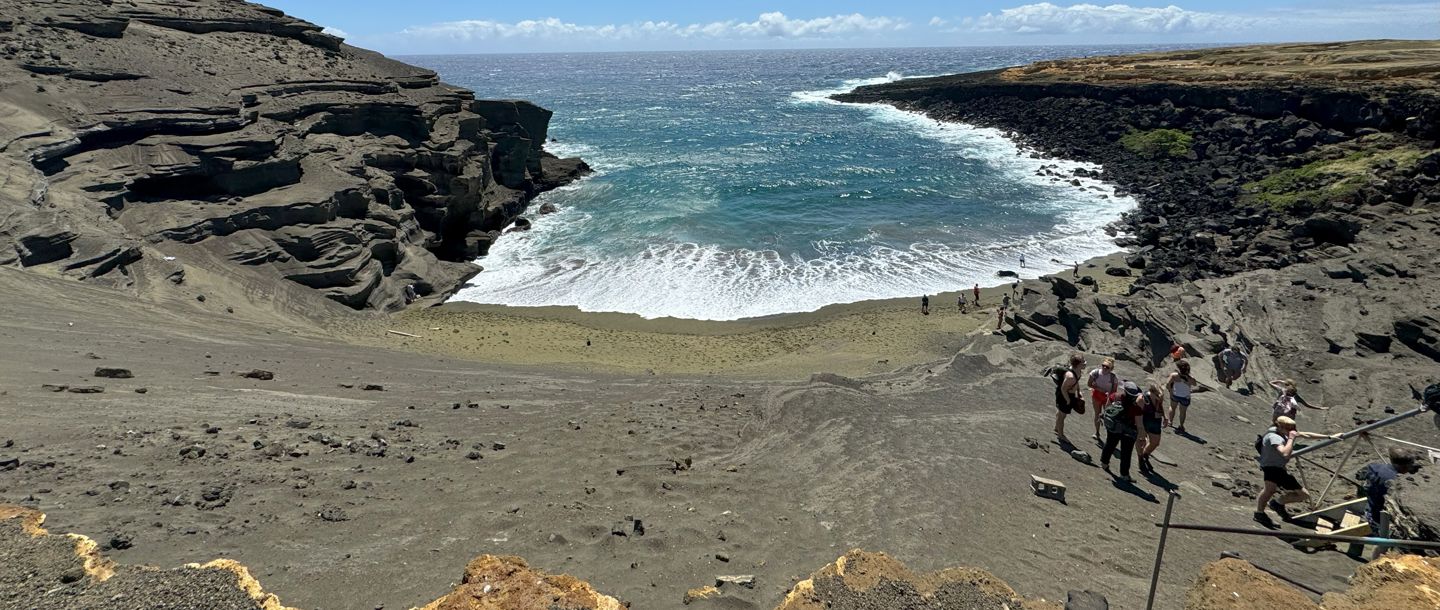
{"x": 139, "y": 140}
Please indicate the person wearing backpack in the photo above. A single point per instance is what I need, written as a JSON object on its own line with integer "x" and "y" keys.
{"x": 1103, "y": 384}
{"x": 1067, "y": 393}
{"x": 1275, "y": 447}
{"x": 1152, "y": 423}
{"x": 1122, "y": 426}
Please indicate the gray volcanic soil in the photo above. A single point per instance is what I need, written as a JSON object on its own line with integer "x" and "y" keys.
{"x": 339, "y": 496}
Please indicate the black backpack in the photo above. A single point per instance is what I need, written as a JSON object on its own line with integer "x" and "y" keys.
{"x": 1056, "y": 373}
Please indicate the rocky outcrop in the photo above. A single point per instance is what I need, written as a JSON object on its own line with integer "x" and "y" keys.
{"x": 67, "y": 572}
{"x": 1393, "y": 581}
{"x": 226, "y": 135}
{"x": 1246, "y": 158}
{"x": 508, "y": 583}
{"x": 861, "y": 579}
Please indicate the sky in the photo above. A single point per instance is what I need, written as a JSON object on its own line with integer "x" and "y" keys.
{"x": 470, "y": 26}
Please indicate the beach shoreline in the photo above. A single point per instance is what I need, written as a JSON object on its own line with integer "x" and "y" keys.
{"x": 860, "y": 338}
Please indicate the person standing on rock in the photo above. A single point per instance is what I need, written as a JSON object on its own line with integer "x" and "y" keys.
{"x": 1275, "y": 447}
{"x": 1152, "y": 423}
{"x": 925, "y": 305}
{"x": 1067, "y": 395}
{"x": 1233, "y": 363}
{"x": 1288, "y": 402}
{"x": 1122, "y": 426}
{"x": 1103, "y": 384}
{"x": 1180, "y": 385}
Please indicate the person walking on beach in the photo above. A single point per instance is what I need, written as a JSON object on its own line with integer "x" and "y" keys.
{"x": 960, "y": 302}
{"x": 925, "y": 305}
{"x": 1076, "y": 274}
{"x": 1000, "y": 319}
{"x": 1067, "y": 395}
{"x": 1103, "y": 384}
{"x": 977, "y": 295}
{"x": 1022, "y": 261}
{"x": 1288, "y": 402}
{"x": 1180, "y": 384}
{"x": 1122, "y": 426}
{"x": 1233, "y": 363}
{"x": 1005, "y": 302}
{"x": 1275, "y": 447}
{"x": 1152, "y": 423}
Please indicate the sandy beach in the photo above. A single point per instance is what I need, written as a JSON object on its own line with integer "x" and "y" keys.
{"x": 849, "y": 339}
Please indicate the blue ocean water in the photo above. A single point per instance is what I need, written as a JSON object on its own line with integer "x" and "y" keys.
{"x": 728, "y": 185}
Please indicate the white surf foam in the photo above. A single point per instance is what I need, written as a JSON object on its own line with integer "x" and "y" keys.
{"x": 551, "y": 264}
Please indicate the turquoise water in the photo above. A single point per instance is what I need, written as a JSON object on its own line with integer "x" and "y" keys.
{"x": 728, "y": 186}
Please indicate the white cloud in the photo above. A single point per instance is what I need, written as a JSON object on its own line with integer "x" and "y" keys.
{"x": 334, "y": 32}
{"x": 766, "y": 26}
{"x": 1047, "y": 18}
{"x": 936, "y": 22}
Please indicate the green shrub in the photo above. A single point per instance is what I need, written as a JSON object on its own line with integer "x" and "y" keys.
{"x": 1158, "y": 142}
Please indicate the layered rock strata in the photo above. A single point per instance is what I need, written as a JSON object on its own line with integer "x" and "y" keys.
{"x": 225, "y": 135}
{"x": 1241, "y": 158}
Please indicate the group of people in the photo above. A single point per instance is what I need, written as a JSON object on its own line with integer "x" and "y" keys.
{"x": 1133, "y": 419}
{"x": 962, "y": 304}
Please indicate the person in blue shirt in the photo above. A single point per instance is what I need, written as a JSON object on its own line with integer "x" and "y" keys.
{"x": 1377, "y": 479}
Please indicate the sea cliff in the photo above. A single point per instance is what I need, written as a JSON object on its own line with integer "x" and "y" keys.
{"x": 143, "y": 140}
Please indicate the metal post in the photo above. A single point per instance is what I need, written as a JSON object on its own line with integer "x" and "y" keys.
{"x": 1366, "y": 428}
{"x": 1160, "y": 550}
{"x": 1338, "y": 469}
{"x": 1414, "y": 544}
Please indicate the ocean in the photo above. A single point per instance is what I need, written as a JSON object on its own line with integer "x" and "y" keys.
{"x": 728, "y": 186}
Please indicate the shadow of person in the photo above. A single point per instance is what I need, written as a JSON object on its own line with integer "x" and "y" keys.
{"x": 1160, "y": 481}
{"x": 1065, "y": 444}
{"x": 1187, "y": 435}
{"x": 1134, "y": 490}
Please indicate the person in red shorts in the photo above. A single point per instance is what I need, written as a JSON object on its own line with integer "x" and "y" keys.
{"x": 1103, "y": 384}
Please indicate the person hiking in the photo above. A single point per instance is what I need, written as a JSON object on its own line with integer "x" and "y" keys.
{"x": 1103, "y": 384}
{"x": 1122, "y": 426}
{"x": 1275, "y": 447}
{"x": 1288, "y": 402}
{"x": 1152, "y": 423}
{"x": 1180, "y": 384}
{"x": 1233, "y": 363}
{"x": 925, "y": 305}
{"x": 1067, "y": 395}
{"x": 1377, "y": 480}
{"x": 1177, "y": 352}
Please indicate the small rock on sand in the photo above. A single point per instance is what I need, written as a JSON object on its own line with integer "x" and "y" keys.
{"x": 112, "y": 372}
{"x": 258, "y": 374}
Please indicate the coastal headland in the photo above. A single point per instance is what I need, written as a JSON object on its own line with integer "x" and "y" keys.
{"x": 210, "y": 211}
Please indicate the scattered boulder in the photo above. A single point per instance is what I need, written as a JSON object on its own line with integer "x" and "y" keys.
{"x": 500, "y": 582}
{"x": 861, "y": 580}
{"x": 262, "y": 375}
{"x": 112, "y": 372}
{"x": 85, "y": 389}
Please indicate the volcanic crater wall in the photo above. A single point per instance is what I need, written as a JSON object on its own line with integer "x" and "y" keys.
{"x": 148, "y": 137}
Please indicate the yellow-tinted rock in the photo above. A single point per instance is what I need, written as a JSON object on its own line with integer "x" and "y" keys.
{"x": 863, "y": 579}
{"x": 1393, "y": 581}
{"x": 700, "y": 593}
{"x": 494, "y": 582}
{"x": 1235, "y": 584}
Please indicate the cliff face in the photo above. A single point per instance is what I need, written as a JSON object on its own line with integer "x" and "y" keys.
{"x": 146, "y": 138}
{"x": 1242, "y": 158}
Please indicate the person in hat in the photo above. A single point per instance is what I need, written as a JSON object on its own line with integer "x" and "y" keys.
{"x": 1275, "y": 446}
{"x": 1122, "y": 426}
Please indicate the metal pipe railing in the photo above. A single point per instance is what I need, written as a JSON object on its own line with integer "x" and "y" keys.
{"x": 1414, "y": 544}
{"x": 1358, "y": 431}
